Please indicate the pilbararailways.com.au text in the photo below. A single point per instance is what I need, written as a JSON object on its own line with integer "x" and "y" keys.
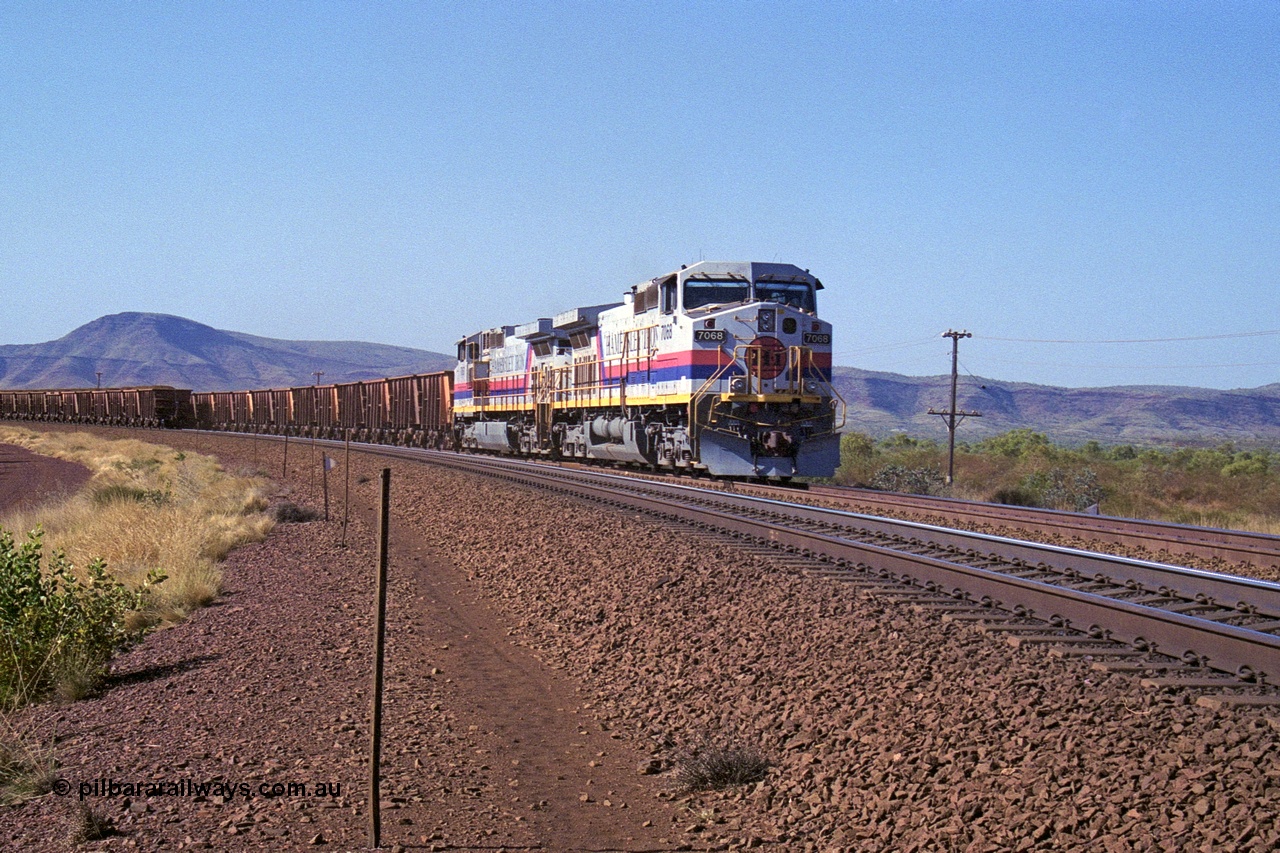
{"x": 190, "y": 788}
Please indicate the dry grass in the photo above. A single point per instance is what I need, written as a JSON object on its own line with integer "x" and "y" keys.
{"x": 27, "y": 769}
{"x": 712, "y": 768}
{"x": 88, "y": 824}
{"x": 147, "y": 507}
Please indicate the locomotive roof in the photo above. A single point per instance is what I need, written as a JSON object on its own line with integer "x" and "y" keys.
{"x": 579, "y": 318}
{"x": 747, "y": 270}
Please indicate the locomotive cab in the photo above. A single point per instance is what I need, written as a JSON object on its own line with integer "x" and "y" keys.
{"x": 768, "y": 408}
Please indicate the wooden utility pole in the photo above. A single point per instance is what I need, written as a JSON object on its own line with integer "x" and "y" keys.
{"x": 380, "y": 630}
{"x": 952, "y": 414}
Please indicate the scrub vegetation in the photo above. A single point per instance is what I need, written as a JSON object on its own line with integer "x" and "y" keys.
{"x": 1223, "y": 486}
{"x": 138, "y": 547}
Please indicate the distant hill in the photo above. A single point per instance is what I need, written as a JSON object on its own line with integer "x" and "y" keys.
{"x": 159, "y": 349}
{"x": 148, "y": 349}
{"x": 883, "y": 403}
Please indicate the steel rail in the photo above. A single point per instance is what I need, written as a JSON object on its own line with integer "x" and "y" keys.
{"x": 1231, "y": 545}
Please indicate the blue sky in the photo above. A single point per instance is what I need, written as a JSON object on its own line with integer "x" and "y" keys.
{"x": 407, "y": 173}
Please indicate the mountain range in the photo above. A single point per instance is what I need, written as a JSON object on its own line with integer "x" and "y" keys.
{"x": 159, "y": 349}
{"x": 881, "y": 404}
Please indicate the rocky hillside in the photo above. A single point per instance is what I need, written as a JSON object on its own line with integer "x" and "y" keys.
{"x": 882, "y": 403}
{"x": 159, "y": 349}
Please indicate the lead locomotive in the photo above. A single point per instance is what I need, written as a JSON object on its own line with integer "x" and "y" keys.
{"x": 719, "y": 367}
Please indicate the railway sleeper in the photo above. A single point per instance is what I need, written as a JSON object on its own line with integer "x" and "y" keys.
{"x": 977, "y": 616}
{"x": 1130, "y": 668}
{"x": 1219, "y": 701}
{"x": 1020, "y": 640}
{"x": 1017, "y": 627}
{"x": 1192, "y": 606}
{"x": 1088, "y": 647}
{"x": 1175, "y": 682}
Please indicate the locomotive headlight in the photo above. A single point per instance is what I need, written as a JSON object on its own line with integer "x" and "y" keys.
{"x": 812, "y": 386}
{"x": 738, "y": 385}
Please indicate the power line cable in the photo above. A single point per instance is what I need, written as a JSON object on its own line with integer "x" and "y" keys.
{"x": 1137, "y": 340}
{"x": 1131, "y": 366}
{"x": 977, "y": 380}
{"x": 887, "y": 347}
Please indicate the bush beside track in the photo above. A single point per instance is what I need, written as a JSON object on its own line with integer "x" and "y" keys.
{"x": 1224, "y": 486}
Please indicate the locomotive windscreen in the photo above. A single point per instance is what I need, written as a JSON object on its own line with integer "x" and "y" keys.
{"x": 796, "y": 294}
{"x": 714, "y": 292}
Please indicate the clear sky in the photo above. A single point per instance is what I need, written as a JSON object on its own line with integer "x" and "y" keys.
{"x": 407, "y": 173}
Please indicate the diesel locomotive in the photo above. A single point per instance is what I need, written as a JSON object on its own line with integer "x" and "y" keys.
{"x": 718, "y": 367}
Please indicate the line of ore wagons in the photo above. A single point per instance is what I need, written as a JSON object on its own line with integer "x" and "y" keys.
{"x": 414, "y": 410}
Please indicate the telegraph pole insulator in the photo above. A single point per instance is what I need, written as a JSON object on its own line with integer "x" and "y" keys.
{"x": 953, "y": 416}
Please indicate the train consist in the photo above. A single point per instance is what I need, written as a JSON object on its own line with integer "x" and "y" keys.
{"x": 717, "y": 368}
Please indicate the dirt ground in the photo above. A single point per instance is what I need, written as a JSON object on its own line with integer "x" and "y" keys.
{"x": 549, "y": 662}
{"x": 28, "y": 479}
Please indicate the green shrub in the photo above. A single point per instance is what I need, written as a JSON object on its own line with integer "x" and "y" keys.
{"x": 1055, "y": 488}
{"x": 856, "y": 446}
{"x": 1016, "y": 496}
{"x": 1016, "y": 444}
{"x": 909, "y": 481}
{"x": 57, "y": 632}
{"x": 901, "y": 441}
{"x": 1061, "y": 489}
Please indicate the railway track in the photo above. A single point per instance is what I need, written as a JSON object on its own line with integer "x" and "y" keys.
{"x": 1234, "y": 546}
{"x": 1214, "y": 623}
{"x": 1154, "y": 537}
